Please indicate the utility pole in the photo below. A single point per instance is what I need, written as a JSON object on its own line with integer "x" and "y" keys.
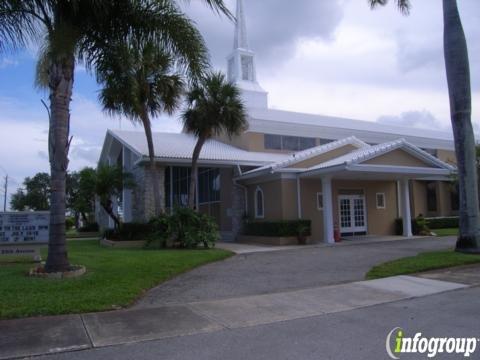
{"x": 6, "y": 191}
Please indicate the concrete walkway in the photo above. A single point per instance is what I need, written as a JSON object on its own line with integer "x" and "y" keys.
{"x": 36, "y": 336}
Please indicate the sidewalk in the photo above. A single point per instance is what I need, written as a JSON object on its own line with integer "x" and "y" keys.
{"x": 45, "y": 335}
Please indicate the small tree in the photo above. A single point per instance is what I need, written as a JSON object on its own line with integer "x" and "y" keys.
{"x": 34, "y": 196}
{"x": 109, "y": 184}
{"x": 213, "y": 107}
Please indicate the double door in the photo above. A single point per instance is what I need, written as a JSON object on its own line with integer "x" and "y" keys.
{"x": 353, "y": 212}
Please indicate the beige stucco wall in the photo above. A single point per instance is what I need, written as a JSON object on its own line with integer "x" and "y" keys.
{"x": 419, "y": 199}
{"x": 397, "y": 157}
{"x": 379, "y": 221}
{"x": 325, "y": 157}
{"x": 447, "y": 155}
{"x": 280, "y": 200}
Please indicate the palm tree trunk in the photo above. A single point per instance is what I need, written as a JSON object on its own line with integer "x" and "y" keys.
{"x": 109, "y": 210}
{"x": 61, "y": 76}
{"x": 151, "y": 154}
{"x": 458, "y": 77}
{"x": 194, "y": 172}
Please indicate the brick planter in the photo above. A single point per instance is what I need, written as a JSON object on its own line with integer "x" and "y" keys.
{"x": 269, "y": 240}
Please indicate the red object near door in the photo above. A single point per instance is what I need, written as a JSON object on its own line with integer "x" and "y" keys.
{"x": 336, "y": 234}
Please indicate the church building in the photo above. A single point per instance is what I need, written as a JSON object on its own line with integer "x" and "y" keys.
{"x": 351, "y": 175}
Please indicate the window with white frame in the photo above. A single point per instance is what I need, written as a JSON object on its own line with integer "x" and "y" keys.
{"x": 259, "y": 203}
{"x": 319, "y": 201}
{"x": 380, "y": 200}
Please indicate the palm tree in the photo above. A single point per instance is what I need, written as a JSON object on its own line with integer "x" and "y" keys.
{"x": 138, "y": 83}
{"x": 458, "y": 78}
{"x": 69, "y": 31}
{"x": 213, "y": 107}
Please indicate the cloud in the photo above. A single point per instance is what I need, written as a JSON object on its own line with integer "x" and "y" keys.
{"x": 273, "y": 26}
{"x": 417, "y": 119}
{"x": 7, "y": 62}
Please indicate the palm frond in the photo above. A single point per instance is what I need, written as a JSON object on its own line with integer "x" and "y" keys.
{"x": 403, "y": 5}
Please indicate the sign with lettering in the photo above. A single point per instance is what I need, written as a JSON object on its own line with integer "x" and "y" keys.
{"x": 24, "y": 227}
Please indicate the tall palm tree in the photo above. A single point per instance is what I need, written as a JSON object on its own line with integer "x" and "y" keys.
{"x": 213, "y": 107}
{"x": 138, "y": 82}
{"x": 69, "y": 31}
{"x": 458, "y": 78}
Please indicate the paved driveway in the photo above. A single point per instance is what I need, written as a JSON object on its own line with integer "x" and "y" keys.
{"x": 268, "y": 272}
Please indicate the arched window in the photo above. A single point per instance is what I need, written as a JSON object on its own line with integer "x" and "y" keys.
{"x": 259, "y": 203}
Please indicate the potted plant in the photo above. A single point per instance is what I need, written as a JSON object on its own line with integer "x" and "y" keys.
{"x": 302, "y": 233}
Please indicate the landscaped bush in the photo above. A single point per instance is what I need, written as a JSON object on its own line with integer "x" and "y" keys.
{"x": 442, "y": 222}
{"x": 185, "y": 228}
{"x": 419, "y": 226}
{"x": 93, "y": 227}
{"x": 285, "y": 228}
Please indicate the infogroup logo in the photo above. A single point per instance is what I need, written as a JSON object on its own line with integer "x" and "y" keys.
{"x": 397, "y": 343}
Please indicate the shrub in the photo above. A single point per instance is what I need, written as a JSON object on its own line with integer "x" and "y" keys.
{"x": 93, "y": 227}
{"x": 69, "y": 222}
{"x": 442, "y": 222}
{"x": 284, "y": 228}
{"x": 188, "y": 229}
{"x": 419, "y": 226}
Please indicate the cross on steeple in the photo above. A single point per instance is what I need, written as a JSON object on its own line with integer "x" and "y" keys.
{"x": 241, "y": 64}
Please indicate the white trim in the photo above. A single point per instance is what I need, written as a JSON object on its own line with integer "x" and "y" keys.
{"x": 257, "y": 215}
{"x": 382, "y": 194}
{"x": 318, "y": 207}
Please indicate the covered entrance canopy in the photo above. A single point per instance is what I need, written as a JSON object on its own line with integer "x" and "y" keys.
{"x": 353, "y": 161}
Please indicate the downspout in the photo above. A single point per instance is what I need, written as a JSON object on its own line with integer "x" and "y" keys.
{"x": 299, "y": 199}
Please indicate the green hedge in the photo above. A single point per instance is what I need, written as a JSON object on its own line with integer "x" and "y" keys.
{"x": 442, "y": 222}
{"x": 129, "y": 232}
{"x": 277, "y": 228}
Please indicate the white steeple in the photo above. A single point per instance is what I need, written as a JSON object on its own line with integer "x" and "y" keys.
{"x": 241, "y": 64}
{"x": 241, "y": 39}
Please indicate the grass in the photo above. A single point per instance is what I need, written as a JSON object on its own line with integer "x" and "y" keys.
{"x": 446, "y": 232}
{"x": 114, "y": 278}
{"x": 422, "y": 262}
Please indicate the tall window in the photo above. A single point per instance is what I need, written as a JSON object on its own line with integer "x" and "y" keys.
{"x": 291, "y": 143}
{"x": 319, "y": 201}
{"x": 259, "y": 203}
{"x": 177, "y": 182}
{"x": 431, "y": 196}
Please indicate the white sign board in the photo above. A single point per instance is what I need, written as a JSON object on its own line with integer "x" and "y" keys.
{"x": 24, "y": 227}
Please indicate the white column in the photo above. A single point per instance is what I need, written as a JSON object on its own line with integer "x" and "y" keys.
{"x": 406, "y": 217}
{"x": 327, "y": 210}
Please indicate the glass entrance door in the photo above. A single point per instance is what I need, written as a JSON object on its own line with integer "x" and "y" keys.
{"x": 352, "y": 214}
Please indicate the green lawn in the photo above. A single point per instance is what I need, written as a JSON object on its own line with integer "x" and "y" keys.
{"x": 114, "y": 278}
{"x": 422, "y": 262}
{"x": 446, "y": 232}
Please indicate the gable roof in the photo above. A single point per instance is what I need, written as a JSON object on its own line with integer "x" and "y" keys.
{"x": 310, "y": 153}
{"x": 179, "y": 146}
{"x": 358, "y": 156}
